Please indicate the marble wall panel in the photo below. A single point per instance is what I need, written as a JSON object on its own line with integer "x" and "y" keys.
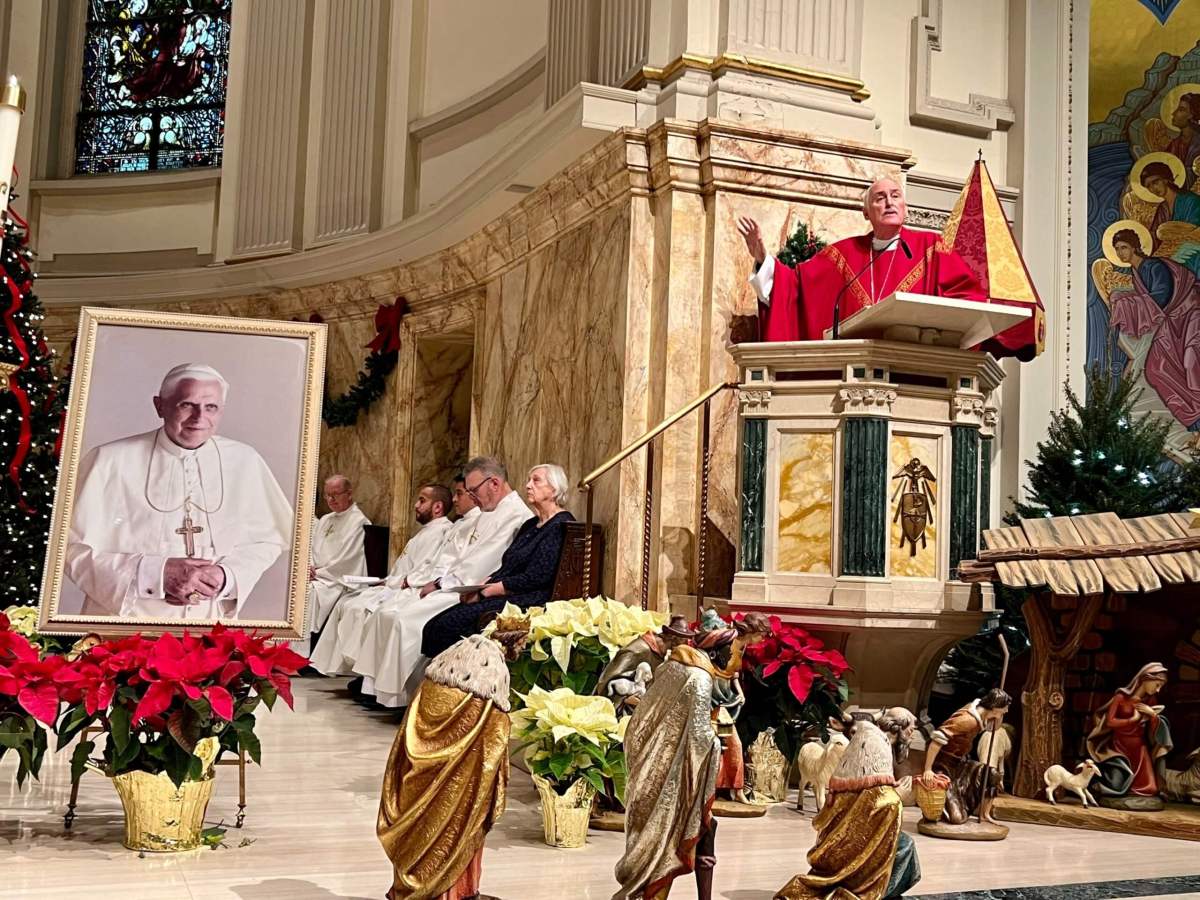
{"x": 805, "y": 537}
{"x": 903, "y": 562}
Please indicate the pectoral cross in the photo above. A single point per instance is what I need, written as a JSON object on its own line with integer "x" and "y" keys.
{"x": 188, "y": 530}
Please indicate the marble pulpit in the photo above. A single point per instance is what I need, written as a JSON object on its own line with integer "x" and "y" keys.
{"x": 840, "y": 441}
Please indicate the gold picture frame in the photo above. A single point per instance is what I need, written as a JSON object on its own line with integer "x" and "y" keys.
{"x": 122, "y": 347}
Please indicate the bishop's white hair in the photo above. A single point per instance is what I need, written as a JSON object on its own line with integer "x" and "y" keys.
{"x": 475, "y": 665}
{"x": 193, "y": 372}
{"x": 866, "y": 197}
{"x": 556, "y": 477}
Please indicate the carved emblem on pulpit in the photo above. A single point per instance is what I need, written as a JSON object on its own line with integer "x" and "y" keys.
{"x": 916, "y": 501}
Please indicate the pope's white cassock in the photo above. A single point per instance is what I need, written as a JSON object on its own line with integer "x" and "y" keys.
{"x": 129, "y": 518}
{"x": 337, "y": 550}
{"x": 389, "y": 658}
{"x": 338, "y": 647}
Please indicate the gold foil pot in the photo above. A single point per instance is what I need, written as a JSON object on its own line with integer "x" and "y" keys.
{"x": 161, "y": 818}
{"x": 565, "y": 816}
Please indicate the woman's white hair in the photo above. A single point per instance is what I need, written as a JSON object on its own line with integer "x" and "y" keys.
{"x": 556, "y": 477}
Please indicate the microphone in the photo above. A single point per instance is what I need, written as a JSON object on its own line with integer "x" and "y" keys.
{"x": 837, "y": 301}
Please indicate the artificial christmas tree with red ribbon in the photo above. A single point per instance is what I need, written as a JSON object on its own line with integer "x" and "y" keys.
{"x": 32, "y": 403}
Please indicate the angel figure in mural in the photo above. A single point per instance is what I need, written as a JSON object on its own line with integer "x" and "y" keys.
{"x": 1155, "y": 308}
{"x": 1177, "y": 129}
{"x": 1156, "y": 195}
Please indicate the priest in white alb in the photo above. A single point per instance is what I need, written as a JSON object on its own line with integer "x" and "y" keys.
{"x": 337, "y": 550}
{"x": 337, "y": 648}
{"x": 178, "y": 522}
{"x": 390, "y": 658}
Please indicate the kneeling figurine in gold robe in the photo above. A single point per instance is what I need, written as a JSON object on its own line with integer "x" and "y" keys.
{"x": 861, "y": 852}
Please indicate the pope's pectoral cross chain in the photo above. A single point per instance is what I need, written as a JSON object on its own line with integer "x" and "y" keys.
{"x": 188, "y": 530}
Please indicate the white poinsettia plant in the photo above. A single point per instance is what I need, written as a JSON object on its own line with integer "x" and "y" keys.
{"x": 571, "y": 736}
{"x": 571, "y": 641}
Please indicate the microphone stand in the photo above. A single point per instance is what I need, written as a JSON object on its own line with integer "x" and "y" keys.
{"x": 837, "y": 301}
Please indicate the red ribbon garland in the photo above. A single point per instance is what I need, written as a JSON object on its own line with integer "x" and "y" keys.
{"x": 387, "y": 326}
{"x": 25, "y": 434}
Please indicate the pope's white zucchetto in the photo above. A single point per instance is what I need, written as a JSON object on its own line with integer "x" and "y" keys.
{"x": 193, "y": 372}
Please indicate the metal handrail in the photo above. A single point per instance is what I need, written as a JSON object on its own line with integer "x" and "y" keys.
{"x": 624, "y": 453}
{"x": 646, "y": 440}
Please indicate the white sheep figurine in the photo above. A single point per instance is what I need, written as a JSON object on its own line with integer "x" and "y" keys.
{"x": 817, "y": 760}
{"x": 632, "y": 687}
{"x": 1057, "y": 776}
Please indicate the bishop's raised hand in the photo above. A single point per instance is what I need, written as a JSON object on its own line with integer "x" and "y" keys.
{"x": 752, "y": 235}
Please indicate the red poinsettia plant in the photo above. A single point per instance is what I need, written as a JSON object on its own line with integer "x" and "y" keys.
{"x": 155, "y": 698}
{"x": 793, "y": 683}
{"x": 28, "y": 699}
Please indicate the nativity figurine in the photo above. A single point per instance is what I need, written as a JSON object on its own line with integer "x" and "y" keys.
{"x": 445, "y": 783}
{"x": 1130, "y": 740}
{"x": 861, "y": 850}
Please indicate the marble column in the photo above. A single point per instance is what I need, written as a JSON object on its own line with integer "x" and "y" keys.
{"x": 573, "y": 31}
{"x": 864, "y": 495}
{"x": 267, "y": 119}
{"x": 754, "y": 462}
{"x": 964, "y": 494}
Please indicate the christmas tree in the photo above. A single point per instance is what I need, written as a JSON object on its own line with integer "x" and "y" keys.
{"x": 802, "y": 245}
{"x": 31, "y": 411}
{"x": 1100, "y": 457}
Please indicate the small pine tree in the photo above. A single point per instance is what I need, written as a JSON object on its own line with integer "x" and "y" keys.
{"x": 801, "y": 246}
{"x": 1099, "y": 458}
{"x": 31, "y": 414}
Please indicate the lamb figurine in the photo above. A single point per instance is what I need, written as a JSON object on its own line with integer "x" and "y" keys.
{"x": 1184, "y": 785}
{"x": 817, "y": 760}
{"x": 1057, "y": 776}
{"x": 632, "y": 687}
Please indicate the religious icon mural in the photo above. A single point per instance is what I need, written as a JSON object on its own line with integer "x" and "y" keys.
{"x": 189, "y": 448}
{"x": 1143, "y": 207}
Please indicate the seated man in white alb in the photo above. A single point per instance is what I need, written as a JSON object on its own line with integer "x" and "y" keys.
{"x": 390, "y": 659}
{"x": 176, "y": 523}
{"x": 338, "y": 646}
{"x": 337, "y": 550}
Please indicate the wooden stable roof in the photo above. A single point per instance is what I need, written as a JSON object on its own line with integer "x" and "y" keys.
{"x": 1084, "y": 554}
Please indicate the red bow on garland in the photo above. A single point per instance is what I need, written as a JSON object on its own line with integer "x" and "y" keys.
{"x": 387, "y": 326}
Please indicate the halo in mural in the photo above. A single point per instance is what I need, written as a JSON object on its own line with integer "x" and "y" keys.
{"x": 1174, "y": 163}
{"x": 1110, "y": 232}
{"x": 1170, "y": 100}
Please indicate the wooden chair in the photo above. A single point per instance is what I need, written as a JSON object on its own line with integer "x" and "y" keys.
{"x": 568, "y": 583}
{"x": 239, "y": 761}
{"x": 375, "y": 546}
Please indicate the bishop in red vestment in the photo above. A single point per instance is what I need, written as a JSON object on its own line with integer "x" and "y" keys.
{"x": 798, "y": 302}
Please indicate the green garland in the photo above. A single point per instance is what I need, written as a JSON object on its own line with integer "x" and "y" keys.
{"x": 342, "y": 411}
{"x": 802, "y": 245}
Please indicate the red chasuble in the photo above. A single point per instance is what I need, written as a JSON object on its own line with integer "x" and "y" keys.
{"x": 802, "y": 298}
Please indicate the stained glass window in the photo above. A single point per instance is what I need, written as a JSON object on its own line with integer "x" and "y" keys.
{"x": 154, "y": 79}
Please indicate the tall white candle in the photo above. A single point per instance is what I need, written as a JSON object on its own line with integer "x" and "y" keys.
{"x": 12, "y": 105}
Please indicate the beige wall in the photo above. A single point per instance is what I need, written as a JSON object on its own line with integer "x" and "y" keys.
{"x": 469, "y": 46}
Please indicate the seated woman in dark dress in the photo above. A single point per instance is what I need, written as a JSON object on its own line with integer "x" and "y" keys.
{"x": 527, "y": 570}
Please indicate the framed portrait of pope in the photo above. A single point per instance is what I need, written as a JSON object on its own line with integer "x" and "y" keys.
{"x": 187, "y": 475}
